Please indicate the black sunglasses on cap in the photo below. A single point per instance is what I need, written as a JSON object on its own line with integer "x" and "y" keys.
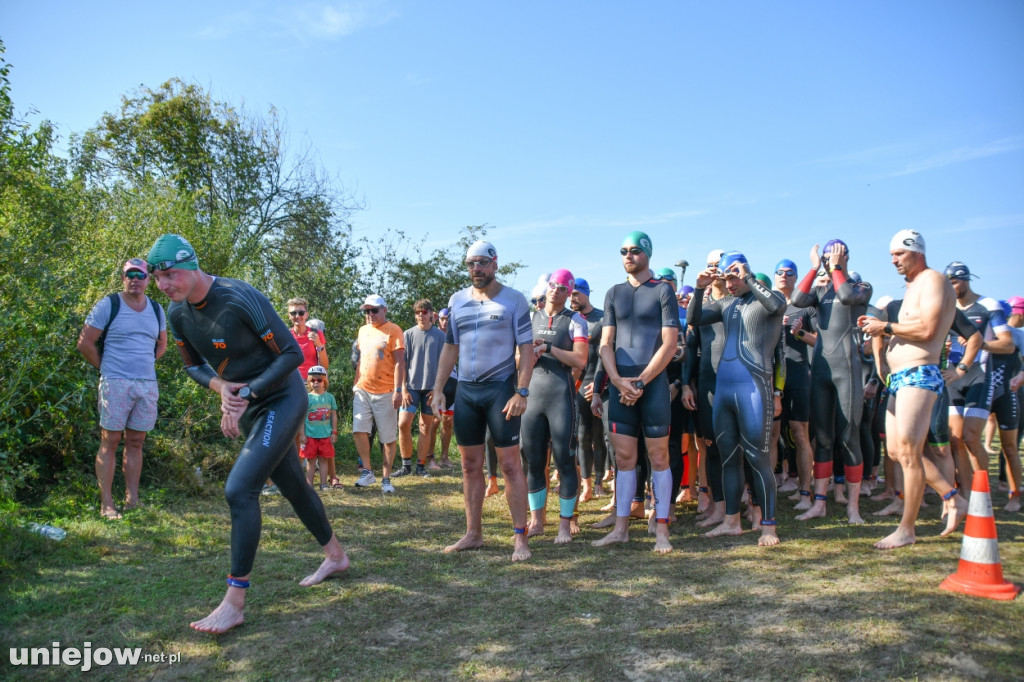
{"x": 168, "y": 264}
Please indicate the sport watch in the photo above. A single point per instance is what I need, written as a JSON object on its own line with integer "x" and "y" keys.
{"x": 523, "y": 392}
{"x": 245, "y": 392}
{"x": 639, "y": 384}
{"x": 962, "y": 366}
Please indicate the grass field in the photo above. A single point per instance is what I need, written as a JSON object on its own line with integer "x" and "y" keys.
{"x": 823, "y": 605}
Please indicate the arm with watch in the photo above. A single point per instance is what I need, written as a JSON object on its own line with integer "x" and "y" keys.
{"x": 516, "y": 405}
{"x": 972, "y": 340}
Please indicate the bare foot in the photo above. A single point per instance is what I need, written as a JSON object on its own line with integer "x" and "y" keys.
{"x": 598, "y": 490}
{"x": 898, "y": 538}
{"x": 564, "y": 532}
{"x": 587, "y": 494}
{"x": 652, "y": 524}
{"x": 110, "y": 513}
{"x": 520, "y": 549}
{"x": 614, "y": 537}
{"x": 610, "y": 506}
{"x": 789, "y": 486}
{"x": 956, "y": 512}
{"x": 132, "y": 505}
{"x": 446, "y": 463}
{"x": 492, "y": 487}
{"x": 636, "y": 510}
{"x": 884, "y": 495}
{"x": 433, "y": 465}
{"x": 703, "y": 502}
{"x": 534, "y": 528}
{"x": 817, "y": 511}
{"x": 1013, "y": 504}
{"x": 684, "y": 496}
{"x": 893, "y": 508}
{"x": 840, "y": 494}
{"x": 803, "y": 504}
{"x": 608, "y": 476}
{"x": 661, "y": 543}
{"x": 574, "y": 524}
{"x": 769, "y": 538}
{"x": 328, "y": 568}
{"x": 755, "y": 518}
{"x": 606, "y": 522}
{"x": 711, "y": 519}
{"x": 467, "y": 541}
{"x": 221, "y": 619}
{"x": 727, "y": 527}
{"x": 854, "y": 517}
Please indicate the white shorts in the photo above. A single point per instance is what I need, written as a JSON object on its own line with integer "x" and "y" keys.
{"x": 127, "y": 403}
{"x": 368, "y": 408}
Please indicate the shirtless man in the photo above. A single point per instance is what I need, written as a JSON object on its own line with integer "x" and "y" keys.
{"x": 915, "y": 382}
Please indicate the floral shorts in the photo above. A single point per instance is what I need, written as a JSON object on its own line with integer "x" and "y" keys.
{"x": 128, "y": 403}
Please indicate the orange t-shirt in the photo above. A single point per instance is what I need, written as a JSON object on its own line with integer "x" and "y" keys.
{"x": 377, "y": 346}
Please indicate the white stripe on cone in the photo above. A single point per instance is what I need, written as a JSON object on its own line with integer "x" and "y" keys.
{"x": 980, "y": 505}
{"x": 980, "y": 550}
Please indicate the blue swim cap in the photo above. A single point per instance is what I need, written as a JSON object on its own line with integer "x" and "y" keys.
{"x": 788, "y": 264}
{"x": 582, "y": 286}
{"x": 686, "y": 290}
{"x": 730, "y": 258}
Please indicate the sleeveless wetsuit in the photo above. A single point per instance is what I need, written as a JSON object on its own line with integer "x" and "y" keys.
{"x": 551, "y": 414}
{"x": 236, "y": 330}
{"x": 744, "y": 404}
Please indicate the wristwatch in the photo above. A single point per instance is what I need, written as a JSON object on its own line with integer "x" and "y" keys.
{"x": 962, "y": 366}
{"x": 244, "y": 392}
{"x": 523, "y": 392}
{"x": 888, "y": 329}
{"x": 549, "y": 346}
{"x": 639, "y": 384}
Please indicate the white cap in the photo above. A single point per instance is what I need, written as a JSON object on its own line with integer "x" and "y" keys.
{"x": 883, "y": 301}
{"x": 373, "y": 301}
{"x": 316, "y": 325}
{"x": 907, "y": 240}
{"x": 481, "y": 248}
{"x": 715, "y": 256}
{"x": 539, "y": 291}
{"x": 317, "y": 369}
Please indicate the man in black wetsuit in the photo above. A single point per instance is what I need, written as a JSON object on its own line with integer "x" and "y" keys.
{"x": 638, "y": 340}
{"x": 227, "y": 324}
{"x": 593, "y": 455}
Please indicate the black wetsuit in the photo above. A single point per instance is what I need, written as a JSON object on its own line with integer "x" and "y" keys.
{"x": 551, "y": 413}
{"x": 837, "y": 387}
{"x": 592, "y": 454}
{"x": 236, "y": 330}
{"x": 744, "y": 403}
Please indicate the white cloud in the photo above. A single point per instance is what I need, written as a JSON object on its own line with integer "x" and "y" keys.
{"x": 961, "y": 154}
{"x": 918, "y": 157}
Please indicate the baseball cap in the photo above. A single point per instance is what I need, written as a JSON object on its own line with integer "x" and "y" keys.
{"x": 582, "y": 286}
{"x": 317, "y": 369}
{"x": 172, "y": 251}
{"x": 373, "y": 301}
{"x": 135, "y": 264}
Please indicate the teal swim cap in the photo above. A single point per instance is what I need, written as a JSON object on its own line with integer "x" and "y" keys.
{"x": 639, "y": 239}
{"x": 666, "y": 273}
{"x": 172, "y": 251}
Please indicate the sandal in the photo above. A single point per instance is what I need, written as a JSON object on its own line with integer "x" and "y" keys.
{"x": 335, "y": 483}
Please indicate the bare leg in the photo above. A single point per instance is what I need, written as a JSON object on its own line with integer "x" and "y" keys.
{"x": 132, "y": 466}
{"x": 515, "y": 495}
{"x": 906, "y": 427}
{"x": 1009, "y": 441}
{"x": 105, "y": 472}
{"x": 428, "y": 431}
{"x": 538, "y": 517}
{"x": 447, "y": 428}
{"x": 405, "y": 420}
{"x": 564, "y": 531}
{"x": 473, "y": 492}
{"x": 389, "y": 457}
{"x": 492, "y": 487}
{"x": 362, "y": 442}
{"x": 817, "y": 509}
{"x": 853, "y": 505}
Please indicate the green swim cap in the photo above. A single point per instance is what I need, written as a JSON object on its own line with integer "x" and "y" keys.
{"x": 639, "y": 239}
{"x": 666, "y": 273}
{"x": 172, "y": 251}
{"x": 763, "y": 279}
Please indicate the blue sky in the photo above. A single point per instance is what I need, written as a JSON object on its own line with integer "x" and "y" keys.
{"x": 758, "y": 126}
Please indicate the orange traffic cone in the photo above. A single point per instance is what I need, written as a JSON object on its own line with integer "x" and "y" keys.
{"x": 980, "y": 572}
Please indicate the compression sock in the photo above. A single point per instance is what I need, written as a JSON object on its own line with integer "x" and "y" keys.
{"x": 539, "y": 499}
{"x": 661, "y": 481}
{"x": 625, "y": 486}
{"x": 566, "y": 507}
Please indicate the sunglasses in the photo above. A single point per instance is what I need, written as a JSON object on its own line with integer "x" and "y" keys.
{"x": 316, "y": 379}
{"x": 560, "y": 288}
{"x": 135, "y": 274}
{"x": 633, "y": 250}
{"x": 787, "y": 273}
{"x": 422, "y": 312}
{"x": 296, "y": 313}
{"x": 479, "y": 264}
{"x": 168, "y": 264}
{"x": 371, "y": 311}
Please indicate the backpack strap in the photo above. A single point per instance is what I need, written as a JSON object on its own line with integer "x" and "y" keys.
{"x": 157, "y": 312}
{"x": 115, "y": 306}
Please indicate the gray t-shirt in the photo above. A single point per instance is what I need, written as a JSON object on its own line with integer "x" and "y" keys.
{"x": 422, "y": 355}
{"x": 128, "y": 348}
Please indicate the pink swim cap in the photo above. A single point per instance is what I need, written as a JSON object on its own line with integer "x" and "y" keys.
{"x": 563, "y": 277}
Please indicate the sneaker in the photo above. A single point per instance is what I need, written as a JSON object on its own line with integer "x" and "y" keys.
{"x": 421, "y": 470}
{"x": 404, "y": 471}
{"x": 386, "y": 487}
{"x": 366, "y": 479}
{"x": 269, "y": 490}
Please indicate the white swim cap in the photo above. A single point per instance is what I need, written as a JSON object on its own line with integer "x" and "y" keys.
{"x": 907, "y": 240}
{"x": 715, "y": 256}
{"x": 481, "y": 248}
